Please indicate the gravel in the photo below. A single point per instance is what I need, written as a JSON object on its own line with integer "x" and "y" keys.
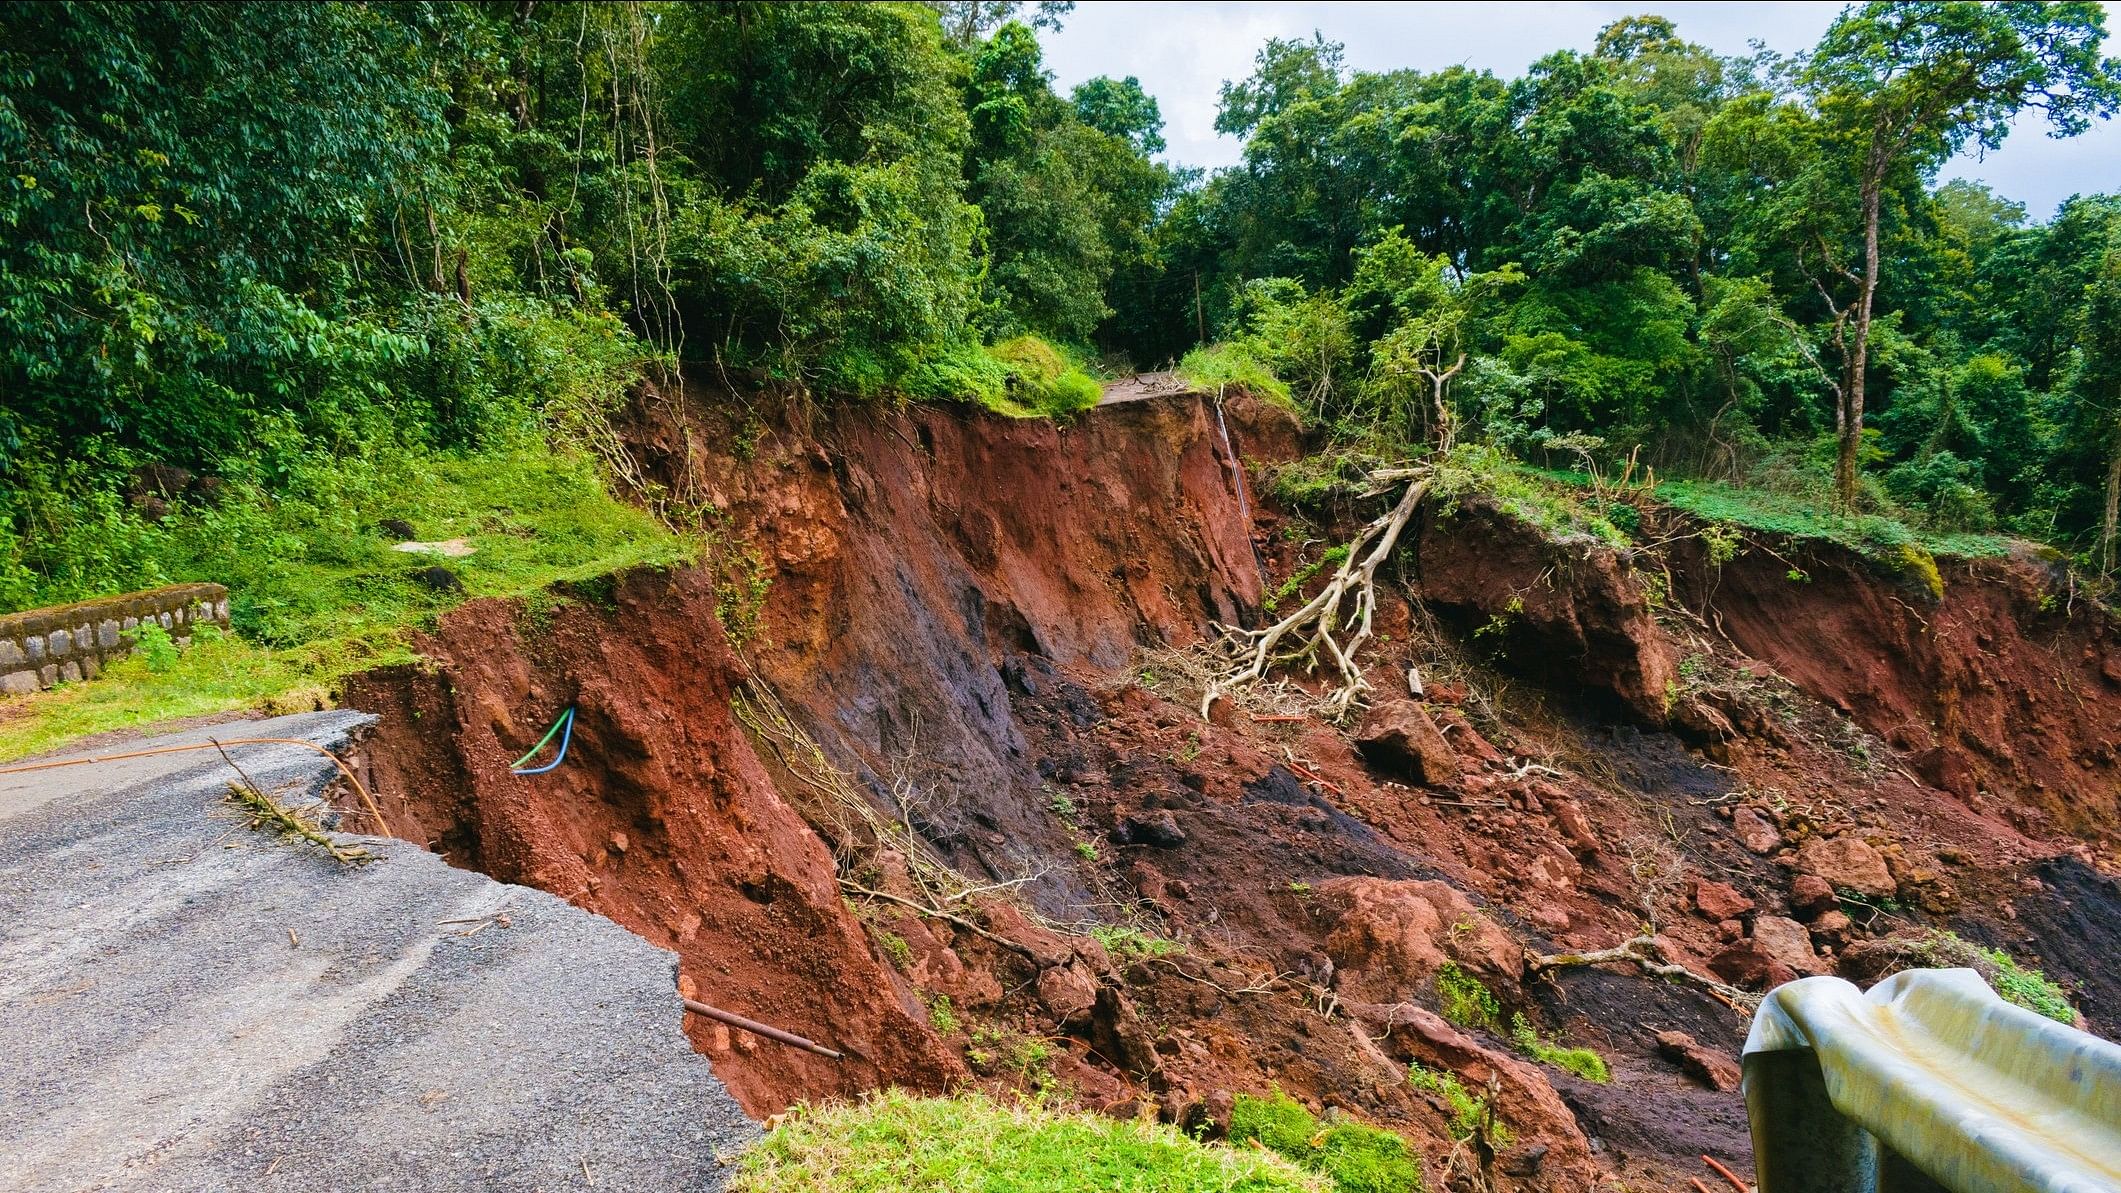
{"x": 188, "y": 1005}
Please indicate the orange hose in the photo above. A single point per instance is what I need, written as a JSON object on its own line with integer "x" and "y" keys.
{"x": 367, "y": 800}
{"x": 1727, "y": 1174}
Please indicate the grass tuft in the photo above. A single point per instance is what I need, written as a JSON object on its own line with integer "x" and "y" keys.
{"x": 1228, "y": 366}
{"x": 1357, "y": 1158}
{"x": 1583, "y": 1062}
{"x": 894, "y": 1142}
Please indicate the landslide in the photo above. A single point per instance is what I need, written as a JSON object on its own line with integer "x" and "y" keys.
{"x": 982, "y": 629}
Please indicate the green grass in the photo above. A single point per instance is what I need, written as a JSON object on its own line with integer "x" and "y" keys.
{"x": 2029, "y": 988}
{"x": 1024, "y": 377}
{"x": 1537, "y": 499}
{"x": 1583, "y": 1062}
{"x": 316, "y": 593}
{"x": 1132, "y": 944}
{"x": 2014, "y": 983}
{"x": 893, "y": 1142}
{"x": 1227, "y": 366}
{"x": 1463, "y": 1000}
{"x": 1357, "y": 1158}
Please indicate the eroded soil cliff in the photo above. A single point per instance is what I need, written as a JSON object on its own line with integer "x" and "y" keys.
{"x": 980, "y": 629}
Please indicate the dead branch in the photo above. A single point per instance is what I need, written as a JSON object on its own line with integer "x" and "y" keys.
{"x": 1641, "y": 951}
{"x": 937, "y": 913}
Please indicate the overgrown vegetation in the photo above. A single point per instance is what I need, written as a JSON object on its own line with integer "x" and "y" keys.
{"x": 2015, "y": 983}
{"x": 278, "y": 275}
{"x": 893, "y": 1142}
{"x": 1671, "y": 252}
{"x": 1471, "y": 1116}
{"x": 1357, "y": 1158}
{"x": 316, "y": 591}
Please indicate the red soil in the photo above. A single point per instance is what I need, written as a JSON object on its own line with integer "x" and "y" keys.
{"x": 958, "y": 614}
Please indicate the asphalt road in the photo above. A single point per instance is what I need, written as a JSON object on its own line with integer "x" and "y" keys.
{"x": 186, "y": 1004}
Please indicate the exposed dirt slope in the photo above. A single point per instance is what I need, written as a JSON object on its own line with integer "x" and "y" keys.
{"x": 983, "y": 624}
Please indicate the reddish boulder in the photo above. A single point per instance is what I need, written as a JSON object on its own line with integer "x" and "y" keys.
{"x": 1068, "y": 993}
{"x": 1812, "y": 896}
{"x": 1705, "y": 1065}
{"x": 1787, "y": 942}
{"x": 1390, "y": 937}
{"x": 1749, "y": 966}
{"x": 1754, "y": 831}
{"x": 1720, "y": 900}
{"x": 1399, "y": 736}
{"x": 1848, "y": 863}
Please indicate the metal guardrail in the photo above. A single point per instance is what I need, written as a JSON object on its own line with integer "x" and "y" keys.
{"x": 1928, "y": 1082}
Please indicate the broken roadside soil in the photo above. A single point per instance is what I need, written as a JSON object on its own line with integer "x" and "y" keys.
{"x": 988, "y": 629}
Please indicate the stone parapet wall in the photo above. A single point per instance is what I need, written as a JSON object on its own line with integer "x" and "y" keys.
{"x": 69, "y": 643}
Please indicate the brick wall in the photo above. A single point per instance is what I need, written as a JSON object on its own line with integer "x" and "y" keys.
{"x": 68, "y": 643}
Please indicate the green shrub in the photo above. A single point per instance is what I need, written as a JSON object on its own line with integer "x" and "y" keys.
{"x": 942, "y": 1016}
{"x": 893, "y": 1142}
{"x": 2014, "y": 983}
{"x": 1583, "y": 1062}
{"x": 156, "y": 649}
{"x": 1042, "y": 380}
{"x": 1358, "y": 1158}
{"x": 2028, "y": 988}
{"x": 1132, "y": 944}
{"x": 1464, "y": 1000}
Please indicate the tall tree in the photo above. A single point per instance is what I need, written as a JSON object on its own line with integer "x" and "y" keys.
{"x": 1904, "y": 86}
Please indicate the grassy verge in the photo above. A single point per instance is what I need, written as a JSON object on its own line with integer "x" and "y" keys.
{"x": 894, "y": 1142}
{"x": 1025, "y": 377}
{"x": 316, "y": 592}
{"x": 1227, "y": 365}
{"x": 1873, "y": 535}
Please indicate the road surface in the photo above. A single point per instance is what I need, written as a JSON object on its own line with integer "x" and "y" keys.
{"x": 186, "y": 1004}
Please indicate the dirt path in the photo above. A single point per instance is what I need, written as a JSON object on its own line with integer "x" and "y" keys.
{"x": 1142, "y": 386}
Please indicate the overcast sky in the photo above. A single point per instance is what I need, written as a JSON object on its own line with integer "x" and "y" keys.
{"x": 1183, "y": 52}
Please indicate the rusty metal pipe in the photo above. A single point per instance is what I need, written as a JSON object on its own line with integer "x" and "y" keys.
{"x": 758, "y": 1029}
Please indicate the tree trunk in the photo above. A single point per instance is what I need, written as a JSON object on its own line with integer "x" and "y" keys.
{"x": 1850, "y": 424}
{"x": 2113, "y": 507}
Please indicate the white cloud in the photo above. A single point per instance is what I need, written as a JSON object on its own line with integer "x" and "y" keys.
{"x": 1183, "y": 52}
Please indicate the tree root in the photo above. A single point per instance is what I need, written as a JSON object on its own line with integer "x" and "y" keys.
{"x": 1315, "y": 629}
{"x": 1642, "y": 952}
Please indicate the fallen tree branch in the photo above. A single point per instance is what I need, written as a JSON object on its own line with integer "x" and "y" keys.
{"x": 1642, "y": 952}
{"x": 937, "y": 913}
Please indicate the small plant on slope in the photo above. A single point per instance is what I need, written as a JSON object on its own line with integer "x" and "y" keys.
{"x": 1583, "y": 1062}
{"x": 1464, "y": 1001}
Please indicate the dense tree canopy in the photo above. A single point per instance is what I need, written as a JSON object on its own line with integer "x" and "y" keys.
{"x": 240, "y": 229}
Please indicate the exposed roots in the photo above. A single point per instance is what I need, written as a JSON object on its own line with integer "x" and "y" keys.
{"x": 1334, "y": 624}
